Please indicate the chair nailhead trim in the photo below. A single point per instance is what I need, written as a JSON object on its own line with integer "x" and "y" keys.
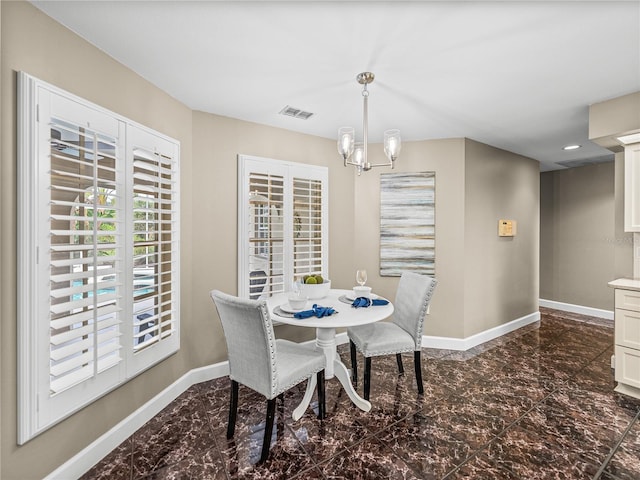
{"x": 379, "y": 354}
{"x": 295, "y": 382}
{"x": 423, "y": 313}
{"x": 272, "y": 344}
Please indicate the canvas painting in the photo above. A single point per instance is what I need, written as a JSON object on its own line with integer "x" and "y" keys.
{"x": 407, "y": 223}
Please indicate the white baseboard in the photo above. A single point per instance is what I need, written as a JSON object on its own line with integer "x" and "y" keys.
{"x": 94, "y": 452}
{"x": 569, "y": 307}
{"x": 450, "y": 343}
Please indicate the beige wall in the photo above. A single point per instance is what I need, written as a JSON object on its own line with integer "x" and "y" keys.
{"x": 483, "y": 280}
{"x": 1, "y": 232}
{"x": 216, "y": 143}
{"x": 623, "y": 241}
{"x": 500, "y": 273}
{"x": 446, "y": 159}
{"x": 34, "y": 43}
{"x": 582, "y": 242}
{"x": 547, "y": 232}
{"x": 607, "y": 120}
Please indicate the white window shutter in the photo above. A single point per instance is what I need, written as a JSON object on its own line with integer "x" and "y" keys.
{"x": 84, "y": 251}
{"x": 282, "y": 224}
{"x": 153, "y": 246}
{"x": 309, "y": 238}
{"x": 78, "y": 291}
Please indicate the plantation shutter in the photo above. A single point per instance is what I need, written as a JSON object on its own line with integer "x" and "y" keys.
{"x": 154, "y": 228}
{"x": 98, "y": 256}
{"x": 266, "y": 234}
{"x": 282, "y": 224}
{"x": 308, "y": 235}
{"x": 154, "y": 271}
{"x": 85, "y": 220}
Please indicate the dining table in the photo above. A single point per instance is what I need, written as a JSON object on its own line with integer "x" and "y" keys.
{"x": 345, "y": 316}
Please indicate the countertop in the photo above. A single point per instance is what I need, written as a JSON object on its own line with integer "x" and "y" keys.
{"x": 626, "y": 283}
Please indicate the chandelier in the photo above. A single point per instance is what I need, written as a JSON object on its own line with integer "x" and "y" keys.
{"x": 356, "y": 153}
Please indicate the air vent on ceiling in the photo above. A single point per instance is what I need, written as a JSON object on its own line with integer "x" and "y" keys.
{"x": 586, "y": 161}
{"x": 296, "y": 113}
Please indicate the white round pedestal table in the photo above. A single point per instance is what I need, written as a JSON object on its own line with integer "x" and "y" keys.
{"x": 347, "y": 316}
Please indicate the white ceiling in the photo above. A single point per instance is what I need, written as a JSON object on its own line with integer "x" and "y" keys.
{"x": 516, "y": 75}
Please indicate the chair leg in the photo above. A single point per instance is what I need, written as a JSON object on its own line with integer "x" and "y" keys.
{"x": 400, "y": 366}
{"x": 354, "y": 364}
{"x": 321, "y": 400}
{"x": 418, "y": 365}
{"x": 281, "y": 405}
{"x": 367, "y": 377}
{"x": 268, "y": 429}
{"x": 233, "y": 409}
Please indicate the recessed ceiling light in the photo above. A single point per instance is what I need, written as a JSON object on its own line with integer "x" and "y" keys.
{"x": 571, "y": 147}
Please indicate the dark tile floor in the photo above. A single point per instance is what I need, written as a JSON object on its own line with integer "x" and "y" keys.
{"x": 535, "y": 404}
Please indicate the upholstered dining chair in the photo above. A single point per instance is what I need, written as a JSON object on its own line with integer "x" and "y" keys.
{"x": 402, "y": 334}
{"x": 261, "y": 362}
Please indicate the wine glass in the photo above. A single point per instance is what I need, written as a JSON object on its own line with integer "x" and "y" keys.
{"x": 361, "y": 277}
{"x": 296, "y": 288}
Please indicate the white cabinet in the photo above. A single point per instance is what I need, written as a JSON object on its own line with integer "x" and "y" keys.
{"x": 627, "y": 336}
{"x": 632, "y": 188}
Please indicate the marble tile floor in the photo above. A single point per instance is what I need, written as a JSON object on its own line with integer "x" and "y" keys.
{"x": 537, "y": 403}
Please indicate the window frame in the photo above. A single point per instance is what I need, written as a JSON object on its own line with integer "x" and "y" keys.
{"x": 38, "y": 103}
{"x": 247, "y": 165}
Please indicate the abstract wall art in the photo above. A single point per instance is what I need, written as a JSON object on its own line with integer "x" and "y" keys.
{"x": 407, "y": 223}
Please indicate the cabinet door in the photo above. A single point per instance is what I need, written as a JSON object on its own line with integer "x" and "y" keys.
{"x": 627, "y": 331}
{"x": 628, "y": 366}
{"x": 632, "y": 188}
{"x": 627, "y": 299}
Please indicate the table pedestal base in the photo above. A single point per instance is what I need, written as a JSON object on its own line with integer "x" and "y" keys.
{"x": 326, "y": 341}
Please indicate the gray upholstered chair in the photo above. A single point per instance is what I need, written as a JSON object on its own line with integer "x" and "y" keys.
{"x": 261, "y": 362}
{"x": 402, "y": 334}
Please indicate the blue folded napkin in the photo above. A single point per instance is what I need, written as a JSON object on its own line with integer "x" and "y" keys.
{"x": 316, "y": 311}
{"x": 365, "y": 302}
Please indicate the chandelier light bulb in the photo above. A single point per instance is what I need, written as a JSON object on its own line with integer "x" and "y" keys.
{"x": 392, "y": 144}
{"x": 358, "y": 155}
{"x": 346, "y": 138}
